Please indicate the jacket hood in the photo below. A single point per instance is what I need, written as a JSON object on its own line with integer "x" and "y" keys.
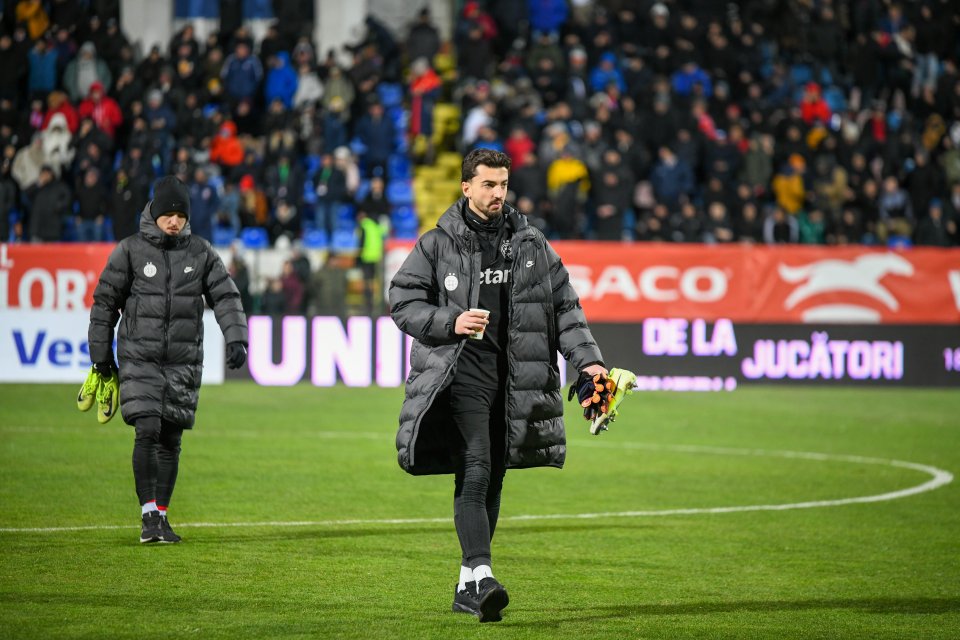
{"x": 152, "y": 233}
{"x": 284, "y": 59}
{"x": 453, "y": 223}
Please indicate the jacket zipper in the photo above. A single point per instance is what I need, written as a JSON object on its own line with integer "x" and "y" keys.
{"x": 456, "y": 355}
{"x": 166, "y": 329}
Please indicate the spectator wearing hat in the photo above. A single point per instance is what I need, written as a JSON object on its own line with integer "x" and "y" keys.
{"x": 42, "y": 77}
{"x": 102, "y": 109}
{"x": 241, "y": 74}
{"x": 83, "y": 71}
{"x": 377, "y": 133}
{"x": 32, "y": 14}
{"x": 50, "y": 201}
{"x": 92, "y": 206}
{"x": 788, "y": 184}
{"x": 204, "y": 204}
{"x": 281, "y": 82}
{"x": 423, "y": 40}
{"x": 226, "y": 149}
{"x": 57, "y": 102}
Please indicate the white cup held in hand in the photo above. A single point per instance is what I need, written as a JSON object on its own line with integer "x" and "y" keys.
{"x": 479, "y": 334}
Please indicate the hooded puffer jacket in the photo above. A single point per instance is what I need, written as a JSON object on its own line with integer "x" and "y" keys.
{"x": 439, "y": 281}
{"x": 160, "y": 287}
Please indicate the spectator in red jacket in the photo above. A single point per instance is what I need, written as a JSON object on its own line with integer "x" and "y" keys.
{"x": 102, "y": 109}
{"x": 226, "y": 149}
{"x": 812, "y": 105}
{"x": 57, "y": 102}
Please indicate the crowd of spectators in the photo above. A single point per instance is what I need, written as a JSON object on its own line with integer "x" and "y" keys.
{"x": 810, "y": 121}
{"x": 267, "y": 136}
{"x": 776, "y": 121}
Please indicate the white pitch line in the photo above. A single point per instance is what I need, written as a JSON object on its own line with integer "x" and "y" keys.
{"x": 938, "y": 478}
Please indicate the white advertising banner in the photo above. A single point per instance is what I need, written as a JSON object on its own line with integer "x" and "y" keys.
{"x": 51, "y": 346}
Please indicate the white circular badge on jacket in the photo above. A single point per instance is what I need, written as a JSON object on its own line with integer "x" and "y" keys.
{"x": 149, "y": 270}
{"x": 450, "y": 282}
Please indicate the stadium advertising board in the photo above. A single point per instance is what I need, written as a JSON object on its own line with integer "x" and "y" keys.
{"x": 45, "y": 297}
{"x": 667, "y": 353}
{"x": 684, "y": 317}
{"x": 629, "y": 282}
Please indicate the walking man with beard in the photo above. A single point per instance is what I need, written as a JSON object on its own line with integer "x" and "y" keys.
{"x": 488, "y": 303}
{"x": 159, "y": 279}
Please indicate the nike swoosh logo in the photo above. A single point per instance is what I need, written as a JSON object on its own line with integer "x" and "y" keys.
{"x": 187, "y": 269}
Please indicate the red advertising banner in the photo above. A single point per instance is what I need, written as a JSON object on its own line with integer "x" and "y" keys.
{"x": 53, "y": 277}
{"x": 631, "y": 282}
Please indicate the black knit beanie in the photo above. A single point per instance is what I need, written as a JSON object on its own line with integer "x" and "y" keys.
{"x": 169, "y": 196}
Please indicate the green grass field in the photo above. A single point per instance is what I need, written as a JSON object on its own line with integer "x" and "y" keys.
{"x": 314, "y": 473}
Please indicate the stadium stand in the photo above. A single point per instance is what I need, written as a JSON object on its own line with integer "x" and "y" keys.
{"x": 629, "y": 120}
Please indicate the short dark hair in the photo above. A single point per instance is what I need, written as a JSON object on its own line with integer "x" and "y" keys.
{"x": 486, "y": 157}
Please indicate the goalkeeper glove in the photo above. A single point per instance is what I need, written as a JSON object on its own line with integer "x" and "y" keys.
{"x": 622, "y": 383}
{"x": 593, "y": 393}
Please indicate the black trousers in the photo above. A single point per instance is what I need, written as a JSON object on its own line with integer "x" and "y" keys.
{"x": 156, "y": 459}
{"x": 478, "y": 410}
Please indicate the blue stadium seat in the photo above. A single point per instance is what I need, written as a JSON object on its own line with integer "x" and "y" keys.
{"x": 398, "y": 167}
{"x": 362, "y": 190}
{"x": 216, "y": 181}
{"x": 223, "y": 236}
{"x": 405, "y": 223}
{"x": 311, "y": 164}
{"x": 316, "y": 239}
{"x": 346, "y": 215}
{"x": 399, "y": 192}
{"x": 13, "y": 218}
{"x": 255, "y": 238}
{"x": 309, "y": 192}
{"x": 344, "y": 241}
{"x": 391, "y": 94}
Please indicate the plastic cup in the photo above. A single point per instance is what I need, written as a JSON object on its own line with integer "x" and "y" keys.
{"x": 479, "y": 334}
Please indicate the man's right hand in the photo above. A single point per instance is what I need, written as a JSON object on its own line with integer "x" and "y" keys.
{"x": 470, "y": 322}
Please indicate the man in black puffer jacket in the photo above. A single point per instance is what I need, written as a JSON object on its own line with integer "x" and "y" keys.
{"x": 159, "y": 280}
{"x": 476, "y": 407}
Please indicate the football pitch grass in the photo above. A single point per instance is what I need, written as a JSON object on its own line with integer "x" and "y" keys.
{"x": 764, "y": 513}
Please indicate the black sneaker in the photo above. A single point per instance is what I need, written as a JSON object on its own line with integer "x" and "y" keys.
{"x": 493, "y": 599}
{"x": 151, "y": 530}
{"x": 465, "y": 601}
{"x": 167, "y": 534}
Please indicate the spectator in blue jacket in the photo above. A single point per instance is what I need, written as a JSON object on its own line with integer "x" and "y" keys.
{"x": 672, "y": 179}
{"x": 547, "y": 16}
{"x": 377, "y": 133}
{"x": 43, "y": 70}
{"x": 241, "y": 73}
{"x": 689, "y": 75}
{"x": 606, "y": 73}
{"x": 204, "y": 205}
{"x": 281, "y": 80}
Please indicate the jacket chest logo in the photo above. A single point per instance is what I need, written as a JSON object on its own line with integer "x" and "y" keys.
{"x": 506, "y": 249}
{"x": 149, "y": 270}
{"x": 450, "y": 282}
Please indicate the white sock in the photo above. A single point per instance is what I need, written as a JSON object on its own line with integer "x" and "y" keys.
{"x": 466, "y": 575}
{"x": 147, "y": 507}
{"x": 481, "y": 572}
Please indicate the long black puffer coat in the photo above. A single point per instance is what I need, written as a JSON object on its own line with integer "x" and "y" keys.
{"x": 161, "y": 290}
{"x": 439, "y": 281}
